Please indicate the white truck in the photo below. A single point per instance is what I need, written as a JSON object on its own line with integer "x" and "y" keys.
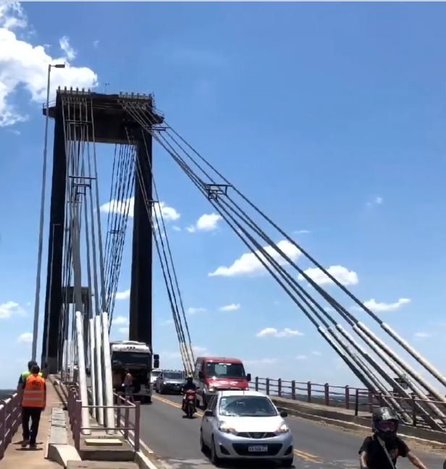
{"x": 136, "y": 357}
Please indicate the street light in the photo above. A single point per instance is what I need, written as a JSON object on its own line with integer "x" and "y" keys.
{"x": 42, "y": 215}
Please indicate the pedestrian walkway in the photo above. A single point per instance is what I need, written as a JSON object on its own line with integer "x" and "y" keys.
{"x": 16, "y": 456}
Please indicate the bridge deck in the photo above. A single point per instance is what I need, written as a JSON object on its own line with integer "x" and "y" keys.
{"x": 16, "y": 456}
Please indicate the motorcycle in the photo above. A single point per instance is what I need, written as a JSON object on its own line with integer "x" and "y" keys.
{"x": 189, "y": 406}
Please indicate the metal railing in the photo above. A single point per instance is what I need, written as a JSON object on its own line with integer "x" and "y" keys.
{"x": 10, "y": 418}
{"x": 348, "y": 397}
{"x": 127, "y": 418}
{"x": 314, "y": 393}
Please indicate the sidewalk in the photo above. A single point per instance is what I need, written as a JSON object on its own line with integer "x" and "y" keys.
{"x": 16, "y": 456}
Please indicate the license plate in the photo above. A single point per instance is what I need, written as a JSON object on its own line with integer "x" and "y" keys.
{"x": 258, "y": 449}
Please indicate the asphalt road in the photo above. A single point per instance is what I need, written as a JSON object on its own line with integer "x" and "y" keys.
{"x": 176, "y": 440}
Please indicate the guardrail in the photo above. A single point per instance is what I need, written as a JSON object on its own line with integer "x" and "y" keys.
{"x": 347, "y": 397}
{"x": 124, "y": 421}
{"x": 10, "y": 418}
{"x": 355, "y": 399}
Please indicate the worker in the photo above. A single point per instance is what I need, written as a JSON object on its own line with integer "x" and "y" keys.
{"x": 382, "y": 449}
{"x": 25, "y": 375}
{"x": 33, "y": 402}
{"x": 128, "y": 385}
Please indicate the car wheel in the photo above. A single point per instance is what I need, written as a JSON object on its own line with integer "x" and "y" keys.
{"x": 287, "y": 462}
{"x": 203, "y": 446}
{"x": 215, "y": 460}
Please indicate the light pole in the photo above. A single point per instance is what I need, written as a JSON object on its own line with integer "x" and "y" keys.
{"x": 42, "y": 215}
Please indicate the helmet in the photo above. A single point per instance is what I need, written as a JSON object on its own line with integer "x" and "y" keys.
{"x": 385, "y": 422}
{"x": 189, "y": 378}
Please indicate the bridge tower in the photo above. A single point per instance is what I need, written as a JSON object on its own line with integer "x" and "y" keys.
{"x": 107, "y": 123}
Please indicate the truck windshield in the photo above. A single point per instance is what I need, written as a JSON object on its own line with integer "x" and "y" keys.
{"x": 173, "y": 375}
{"x": 131, "y": 358}
{"x": 225, "y": 370}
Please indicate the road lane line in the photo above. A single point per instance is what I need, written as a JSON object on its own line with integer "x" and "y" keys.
{"x": 307, "y": 456}
{"x": 301, "y": 454}
{"x": 173, "y": 404}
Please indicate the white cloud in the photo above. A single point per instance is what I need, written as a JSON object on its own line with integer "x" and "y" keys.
{"x": 207, "y": 222}
{"x": 231, "y": 307}
{"x": 301, "y": 231}
{"x": 339, "y": 272}
{"x": 96, "y": 43}
{"x": 120, "y": 321}
{"x": 378, "y": 307}
{"x": 301, "y": 357}
{"x": 11, "y": 308}
{"x": 176, "y": 228}
{"x": 124, "y": 330}
{"x": 249, "y": 264}
{"x": 422, "y": 335}
{"x": 273, "y": 332}
{"x": 378, "y": 200}
{"x": 193, "y": 310}
{"x": 64, "y": 44}
{"x": 167, "y": 322}
{"x": 25, "y": 66}
{"x": 316, "y": 353}
{"x": 25, "y": 338}
{"x": 128, "y": 205}
{"x": 198, "y": 350}
{"x": 123, "y": 295}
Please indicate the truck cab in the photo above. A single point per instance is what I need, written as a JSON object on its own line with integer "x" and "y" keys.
{"x": 136, "y": 357}
{"x": 213, "y": 374}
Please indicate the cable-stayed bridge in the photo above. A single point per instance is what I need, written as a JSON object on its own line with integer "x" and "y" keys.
{"x": 85, "y": 257}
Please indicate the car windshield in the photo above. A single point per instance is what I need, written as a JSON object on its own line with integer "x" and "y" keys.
{"x": 246, "y": 406}
{"x": 173, "y": 375}
{"x": 225, "y": 370}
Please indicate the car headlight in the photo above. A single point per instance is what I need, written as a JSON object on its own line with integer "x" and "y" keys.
{"x": 283, "y": 428}
{"x": 212, "y": 389}
{"x": 225, "y": 428}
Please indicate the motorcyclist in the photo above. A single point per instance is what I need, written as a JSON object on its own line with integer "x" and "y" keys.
{"x": 382, "y": 449}
{"x": 189, "y": 385}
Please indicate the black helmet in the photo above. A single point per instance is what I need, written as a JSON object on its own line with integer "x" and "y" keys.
{"x": 189, "y": 378}
{"x": 385, "y": 422}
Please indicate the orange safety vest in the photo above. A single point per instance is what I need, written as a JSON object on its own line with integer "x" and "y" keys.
{"x": 34, "y": 392}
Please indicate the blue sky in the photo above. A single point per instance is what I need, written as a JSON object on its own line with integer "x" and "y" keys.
{"x": 330, "y": 117}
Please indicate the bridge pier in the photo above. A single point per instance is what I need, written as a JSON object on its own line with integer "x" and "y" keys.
{"x": 53, "y": 297}
{"x": 140, "y": 327}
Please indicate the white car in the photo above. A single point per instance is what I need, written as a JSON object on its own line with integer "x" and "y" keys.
{"x": 245, "y": 425}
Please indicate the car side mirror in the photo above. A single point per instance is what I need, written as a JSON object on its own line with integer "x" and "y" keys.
{"x": 248, "y": 376}
{"x": 201, "y": 375}
{"x": 208, "y": 413}
{"x": 284, "y": 414}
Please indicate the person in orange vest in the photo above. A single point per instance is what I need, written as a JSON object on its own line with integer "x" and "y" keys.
{"x": 33, "y": 402}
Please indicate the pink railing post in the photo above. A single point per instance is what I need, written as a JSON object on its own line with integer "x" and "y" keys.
{"x": 347, "y": 397}
{"x": 293, "y": 389}
{"x": 257, "y": 383}
{"x": 267, "y": 387}
{"x": 136, "y": 426}
{"x": 279, "y": 387}
{"x": 309, "y": 391}
{"x": 126, "y": 421}
{"x": 78, "y": 423}
{"x": 327, "y": 394}
{"x": 2, "y": 430}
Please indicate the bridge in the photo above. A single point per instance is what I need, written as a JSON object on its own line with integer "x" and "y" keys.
{"x": 83, "y": 271}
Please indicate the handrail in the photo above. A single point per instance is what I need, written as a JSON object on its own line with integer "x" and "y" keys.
{"x": 10, "y": 412}
{"x": 124, "y": 423}
{"x": 348, "y": 397}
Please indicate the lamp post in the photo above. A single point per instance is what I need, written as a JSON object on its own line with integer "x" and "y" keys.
{"x": 42, "y": 215}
